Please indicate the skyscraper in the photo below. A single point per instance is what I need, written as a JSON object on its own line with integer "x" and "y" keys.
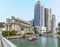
{"x": 47, "y": 14}
{"x": 53, "y": 23}
{"x": 39, "y": 16}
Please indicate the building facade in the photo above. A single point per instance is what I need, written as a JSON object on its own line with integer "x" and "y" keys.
{"x": 16, "y": 24}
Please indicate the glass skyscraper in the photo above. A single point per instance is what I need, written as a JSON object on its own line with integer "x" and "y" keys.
{"x": 37, "y": 14}
{"x": 39, "y": 17}
{"x": 43, "y": 18}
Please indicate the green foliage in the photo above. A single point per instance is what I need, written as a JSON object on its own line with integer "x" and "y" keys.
{"x": 28, "y": 33}
{"x": 13, "y": 32}
{"x": 35, "y": 30}
{"x": 59, "y": 24}
{"x": 22, "y": 28}
{"x": 1, "y": 24}
{"x": 6, "y": 33}
{"x": 58, "y": 32}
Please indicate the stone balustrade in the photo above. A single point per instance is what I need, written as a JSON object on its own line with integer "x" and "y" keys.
{"x": 5, "y": 43}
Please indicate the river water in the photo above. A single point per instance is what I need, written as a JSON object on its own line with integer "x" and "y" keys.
{"x": 43, "y": 41}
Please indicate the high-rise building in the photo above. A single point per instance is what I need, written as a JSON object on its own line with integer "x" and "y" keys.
{"x": 37, "y": 14}
{"x": 53, "y": 24}
{"x": 47, "y": 14}
{"x": 39, "y": 17}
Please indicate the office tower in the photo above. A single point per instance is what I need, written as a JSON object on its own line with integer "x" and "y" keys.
{"x": 37, "y": 14}
{"x": 47, "y": 14}
{"x": 39, "y": 17}
{"x": 53, "y": 23}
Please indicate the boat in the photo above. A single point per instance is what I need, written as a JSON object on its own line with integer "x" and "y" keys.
{"x": 32, "y": 38}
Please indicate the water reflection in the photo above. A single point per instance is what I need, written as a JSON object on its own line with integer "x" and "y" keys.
{"x": 48, "y": 41}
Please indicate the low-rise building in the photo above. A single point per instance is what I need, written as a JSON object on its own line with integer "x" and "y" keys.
{"x": 16, "y": 24}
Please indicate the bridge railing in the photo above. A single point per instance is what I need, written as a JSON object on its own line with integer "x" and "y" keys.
{"x": 5, "y": 42}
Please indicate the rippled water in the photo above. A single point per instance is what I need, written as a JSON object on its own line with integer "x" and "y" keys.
{"x": 43, "y": 41}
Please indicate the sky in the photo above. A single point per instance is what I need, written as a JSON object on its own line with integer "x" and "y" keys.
{"x": 24, "y": 9}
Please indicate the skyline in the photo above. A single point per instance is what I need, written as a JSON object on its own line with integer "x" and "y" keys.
{"x": 25, "y": 9}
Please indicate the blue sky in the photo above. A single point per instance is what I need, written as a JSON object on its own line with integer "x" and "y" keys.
{"x": 24, "y": 9}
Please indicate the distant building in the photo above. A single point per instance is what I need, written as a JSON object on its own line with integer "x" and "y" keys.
{"x": 47, "y": 14}
{"x": 16, "y": 24}
{"x": 53, "y": 23}
{"x": 31, "y": 22}
{"x": 39, "y": 17}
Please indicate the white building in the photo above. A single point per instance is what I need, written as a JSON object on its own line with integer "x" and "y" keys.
{"x": 16, "y": 24}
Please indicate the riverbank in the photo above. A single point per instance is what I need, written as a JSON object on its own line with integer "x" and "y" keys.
{"x": 58, "y": 35}
{"x": 21, "y": 36}
{"x": 29, "y": 35}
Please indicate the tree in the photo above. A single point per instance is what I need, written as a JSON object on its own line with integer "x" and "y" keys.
{"x": 2, "y": 24}
{"x": 59, "y": 28}
{"x": 59, "y": 24}
{"x": 58, "y": 32}
{"x": 35, "y": 30}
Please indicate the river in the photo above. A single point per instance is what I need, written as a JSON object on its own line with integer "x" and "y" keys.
{"x": 43, "y": 41}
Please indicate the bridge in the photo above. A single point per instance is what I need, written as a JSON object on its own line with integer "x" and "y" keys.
{"x": 5, "y": 43}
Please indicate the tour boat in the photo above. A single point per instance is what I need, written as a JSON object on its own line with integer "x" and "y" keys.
{"x": 32, "y": 38}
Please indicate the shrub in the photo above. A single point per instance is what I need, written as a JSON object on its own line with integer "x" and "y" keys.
{"x": 13, "y": 32}
{"x": 28, "y": 33}
{"x": 5, "y": 33}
